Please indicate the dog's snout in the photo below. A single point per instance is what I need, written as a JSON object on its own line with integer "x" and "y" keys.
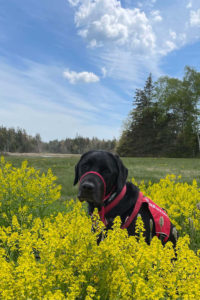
{"x": 88, "y": 186}
{"x": 86, "y": 191}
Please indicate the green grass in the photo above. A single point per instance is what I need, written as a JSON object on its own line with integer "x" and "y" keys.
{"x": 140, "y": 168}
{"x": 156, "y": 168}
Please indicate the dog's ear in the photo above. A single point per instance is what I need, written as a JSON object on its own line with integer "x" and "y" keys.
{"x": 122, "y": 173}
{"x": 76, "y": 178}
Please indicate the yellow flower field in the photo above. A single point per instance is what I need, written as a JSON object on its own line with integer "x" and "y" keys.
{"x": 57, "y": 257}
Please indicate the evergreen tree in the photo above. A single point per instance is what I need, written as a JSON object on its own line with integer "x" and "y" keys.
{"x": 137, "y": 139}
{"x": 165, "y": 118}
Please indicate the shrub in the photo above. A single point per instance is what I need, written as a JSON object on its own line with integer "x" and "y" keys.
{"x": 57, "y": 257}
{"x": 25, "y": 193}
{"x": 60, "y": 259}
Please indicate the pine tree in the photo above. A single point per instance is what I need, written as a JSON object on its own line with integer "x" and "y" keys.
{"x": 137, "y": 139}
{"x": 165, "y": 118}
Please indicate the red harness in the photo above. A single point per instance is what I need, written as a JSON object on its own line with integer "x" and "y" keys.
{"x": 160, "y": 217}
{"x": 158, "y": 214}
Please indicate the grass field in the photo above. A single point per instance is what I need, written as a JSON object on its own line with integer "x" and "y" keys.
{"x": 147, "y": 169}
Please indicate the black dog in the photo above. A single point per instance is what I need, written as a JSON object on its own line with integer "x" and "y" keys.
{"x": 102, "y": 183}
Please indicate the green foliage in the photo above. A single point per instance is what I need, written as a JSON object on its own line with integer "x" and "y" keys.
{"x": 79, "y": 145}
{"x": 12, "y": 140}
{"x": 165, "y": 118}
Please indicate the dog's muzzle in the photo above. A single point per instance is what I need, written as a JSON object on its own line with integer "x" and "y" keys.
{"x": 86, "y": 191}
{"x": 88, "y": 187}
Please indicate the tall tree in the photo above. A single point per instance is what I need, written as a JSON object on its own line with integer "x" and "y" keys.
{"x": 137, "y": 139}
{"x": 180, "y": 99}
{"x": 165, "y": 119}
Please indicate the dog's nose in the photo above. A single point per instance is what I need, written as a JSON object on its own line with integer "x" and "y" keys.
{"x": 87, "y": 186}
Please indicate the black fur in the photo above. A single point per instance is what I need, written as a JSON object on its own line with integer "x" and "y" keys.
{"x": 115, "y": 174}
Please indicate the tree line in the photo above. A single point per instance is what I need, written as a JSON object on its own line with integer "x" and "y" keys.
{"x": 164, "y": 120}
{"x": 18, "y": 140}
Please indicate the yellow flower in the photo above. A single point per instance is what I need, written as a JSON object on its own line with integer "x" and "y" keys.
{"x": 57, "y": 257}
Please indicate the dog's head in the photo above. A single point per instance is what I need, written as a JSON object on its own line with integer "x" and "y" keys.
{"x": 99, "y": 173}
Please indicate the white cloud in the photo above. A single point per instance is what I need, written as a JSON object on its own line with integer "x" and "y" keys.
{"x": 86, "y": 77}
{"x": 189, "y": 5}
{"x": 101, "y": 22}
{"x": 74, "y": 2}
{"x": 128, "y": 69}
{"x": 104, "y": 72}
{"x": 37, "y": 99}
{"x": 172, "y": 34}
{"x": 195, "y": 18}
{"x": 156, "y": 17}
{"x": 130, "y": 42}
{"x": 170, "y": 46}
{"x": 108, "y": 24}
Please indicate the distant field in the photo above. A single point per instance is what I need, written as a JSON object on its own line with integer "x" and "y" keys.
{"x": 140, "y": 168}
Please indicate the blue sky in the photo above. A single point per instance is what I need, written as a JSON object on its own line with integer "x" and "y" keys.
{"x": 71, "y": 67}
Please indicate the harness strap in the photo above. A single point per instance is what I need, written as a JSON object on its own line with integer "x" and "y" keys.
{"x": 102, "y": 216}
{"x": 155, "y": 210}
{"x": 110, "y": 206}
{"x": 134, "y": 212}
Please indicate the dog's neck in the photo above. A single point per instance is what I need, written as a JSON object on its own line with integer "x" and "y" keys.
{"x": 116, "y": 207}
{"x": 111, "y": 203}
{"x": 122, "y": 209}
